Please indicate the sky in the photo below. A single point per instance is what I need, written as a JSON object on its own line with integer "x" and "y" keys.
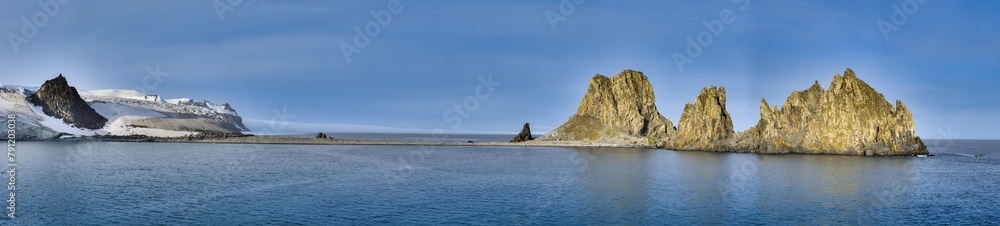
{"x": 490, "y": 66}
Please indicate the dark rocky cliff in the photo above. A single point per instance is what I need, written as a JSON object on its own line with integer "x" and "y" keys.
{"x": 524, "y": 135}
{"x": 60, "y": 100}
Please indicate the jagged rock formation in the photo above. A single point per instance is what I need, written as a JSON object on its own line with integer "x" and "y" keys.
{"x": 849, "y": 118}
{"x": 321, "y": 135}
{"x": 704, "y": 123}
{"x": 618, "y": 110}
{"x": 60, "y": 100}
{"x": 524, "y": 135}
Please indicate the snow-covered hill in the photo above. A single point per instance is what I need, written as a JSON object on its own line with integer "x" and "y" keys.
{"x": 31, "y": 122}
{"x": 129, "y": 112}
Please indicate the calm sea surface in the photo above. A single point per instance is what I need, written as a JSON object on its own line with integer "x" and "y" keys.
{"x": 60, "y": 183}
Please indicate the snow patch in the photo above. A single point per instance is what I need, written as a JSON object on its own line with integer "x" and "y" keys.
{"x": 122, "y": 127}
{"x": 4, "y": 104}
{"x": 18, "y": 87}
{"x": 122, "y": 93}
{"x": 219, "y": 109}
{"x": 113, "y": 111}
{"x": 187, "y": 101}
{"x": 58, "y": 125}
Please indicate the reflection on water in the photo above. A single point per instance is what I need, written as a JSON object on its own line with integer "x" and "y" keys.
{"x": 138, "y": 183}
{"x": 847, "y": 187}
{"x": 617, "y": 185}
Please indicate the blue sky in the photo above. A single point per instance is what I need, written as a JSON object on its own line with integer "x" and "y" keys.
{"x": 267, "y": 56}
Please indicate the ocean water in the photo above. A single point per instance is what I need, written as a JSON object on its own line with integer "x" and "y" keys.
{"x": 102, "y": 183}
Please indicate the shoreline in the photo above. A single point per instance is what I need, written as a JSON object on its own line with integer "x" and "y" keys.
{"x": 322, "y": 141}
{"x": 282, "y": 140}
{"x": 252, "y": 139}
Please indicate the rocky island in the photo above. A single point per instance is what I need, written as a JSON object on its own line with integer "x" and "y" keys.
{"x": 849, "y": 118}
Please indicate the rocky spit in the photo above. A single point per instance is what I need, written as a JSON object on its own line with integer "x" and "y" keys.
{"x": 316, "y": 141}
{"x": 238, "y": 138}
